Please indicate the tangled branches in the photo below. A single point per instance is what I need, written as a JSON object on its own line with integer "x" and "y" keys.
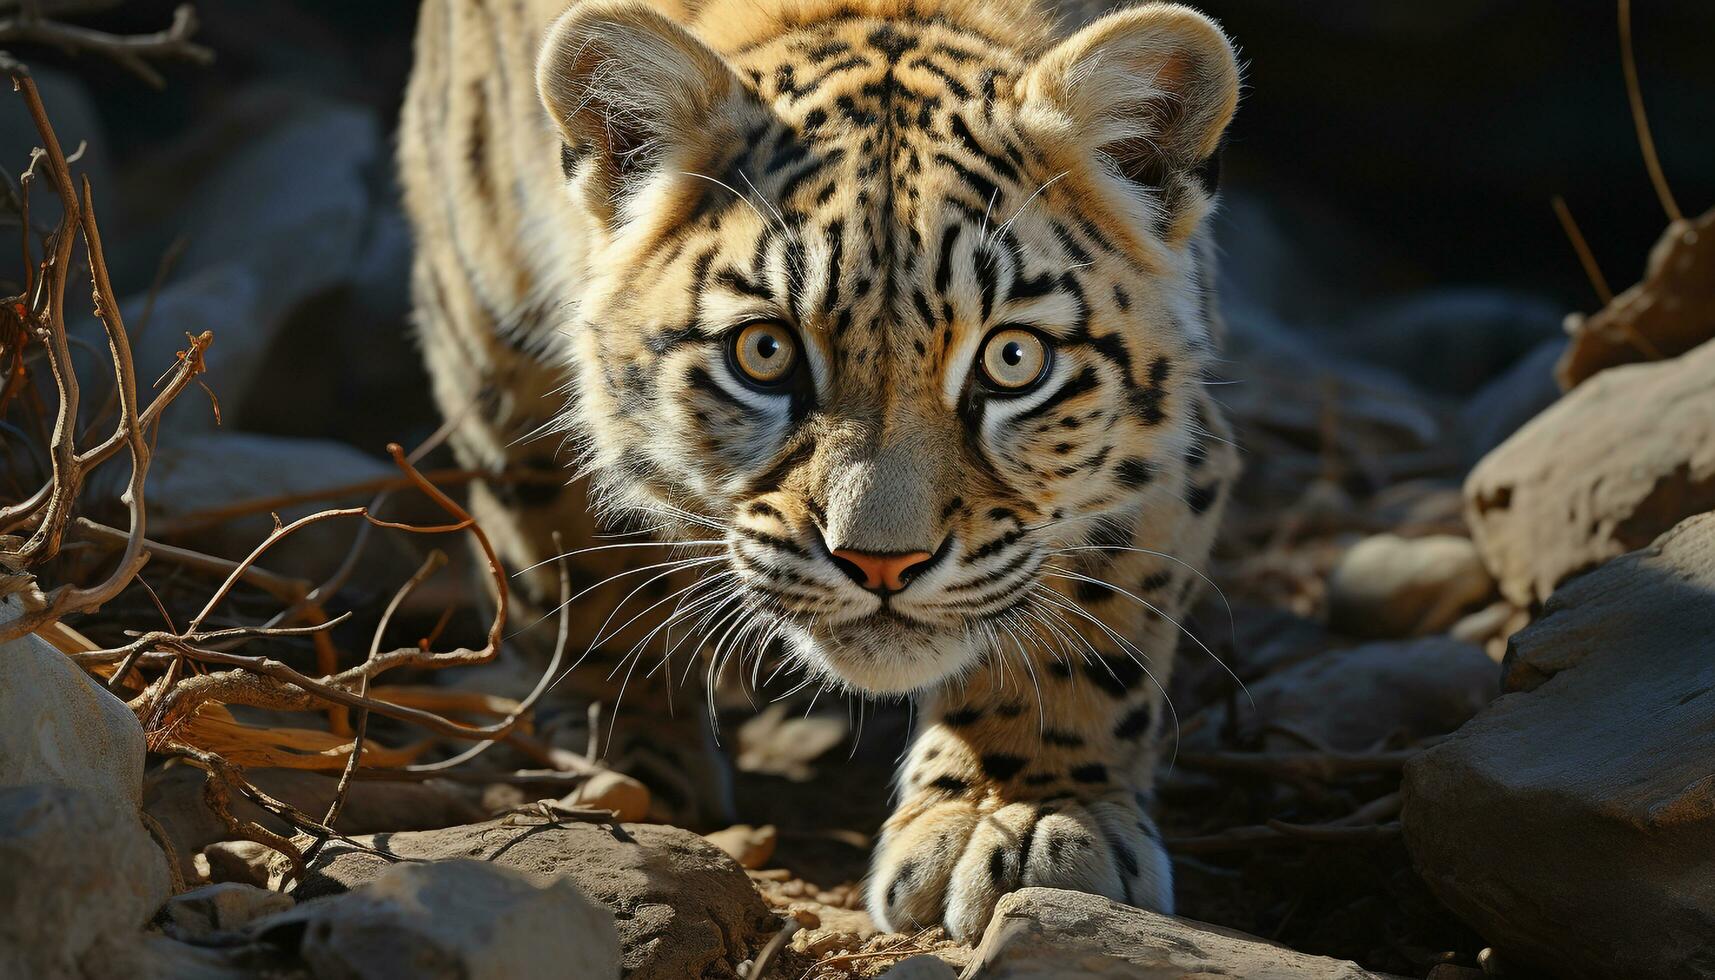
{"x": 183, "y": 683}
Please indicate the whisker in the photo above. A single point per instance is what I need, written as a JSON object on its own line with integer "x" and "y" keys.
{"x": 610, "y": 547}
{"x": 1055, "y": 571}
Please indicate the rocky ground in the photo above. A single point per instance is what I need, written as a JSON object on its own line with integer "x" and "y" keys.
{"x": 1449, "y": 714}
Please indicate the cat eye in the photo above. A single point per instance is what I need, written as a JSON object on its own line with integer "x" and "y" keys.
{"x": 764, "y": 353}
{"x": 1014, "y": 359}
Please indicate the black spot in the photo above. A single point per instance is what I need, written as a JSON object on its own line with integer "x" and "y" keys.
{"x": 1201, "y": 498}
{"x": 962, "y": 717}
{"x": 1158, "y": 580}
{"x": 1094, "y": 772}
{"x": 1134, "y": 473}
{"x": 997, "y": 868}
{"x": 900, "y": 880}
{"x": 1060, "y": 669}
{"x": 1056, "y": 736}
{"x": 1116, "y": 676}
{"x": 1136, "y": 722}
{"x": 1039, "y": 779}
{"x": 1001, "y": 766}
{"x": 1094, "y": 592}
{"x": 950, "y": 784}
{"x": 1011, "y": 709}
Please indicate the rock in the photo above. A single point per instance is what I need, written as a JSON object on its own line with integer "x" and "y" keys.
{"x": 243, "y": 861}
{"x": 827, "y": 929}
{"x": 212, "y": 470}
{"x": 76, "y": 869}
{"x": 451, "y": 920}
{"x": 1048, "y": 933}
{"x": 610, "y": 790}
{"x": 1353, "y": 699}
{"x": 153, "y": 956}
{"x": 274, "y": 197}
{"x": 76, "y": 865}
{"x": 923, "y": 967}
{"x": 223, "y": 907}
{"x": 683, "y": 908}
{"x": 173, "y": 797}
{"x": 1388, "y": 586}
{"x": 750, "y": 846}
{"x": 1452, "y": 341}
{"x": 1670, "y": 312}
{"x": 1501, "y": 407}
{"x": 1619, "y": 460}
{"x": 1572, "y": 823}
{"x": 59, "y": 726}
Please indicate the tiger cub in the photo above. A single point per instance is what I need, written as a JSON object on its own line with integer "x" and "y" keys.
{"x": 894, "y": 314}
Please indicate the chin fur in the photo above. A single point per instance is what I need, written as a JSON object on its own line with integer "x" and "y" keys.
{"x": 883, "y": 656}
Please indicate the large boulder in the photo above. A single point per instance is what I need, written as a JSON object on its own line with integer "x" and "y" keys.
{"x": 683, "y": 908}
{"x": 1622, "y": 458}
{"x": 77, "y": 872}
{"x": 76, "y": 866}
{"x": 1047, "y": 933}
{"x": 1573, "y": 821}
{"x": 451, "y": 920}
{"x": 59, "y": 726}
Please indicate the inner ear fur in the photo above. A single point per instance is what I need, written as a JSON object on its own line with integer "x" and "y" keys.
{"x": 1153, "y": 87}
{"x": 633, "y": 89}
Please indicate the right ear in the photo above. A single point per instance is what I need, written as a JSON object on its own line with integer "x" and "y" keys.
{"x": 634, "y": 94}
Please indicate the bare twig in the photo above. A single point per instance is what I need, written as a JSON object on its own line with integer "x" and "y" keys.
{"x": 133, "y": 52}
{"x": 1586, "y": 258}
{"x": 1635, "y": 96}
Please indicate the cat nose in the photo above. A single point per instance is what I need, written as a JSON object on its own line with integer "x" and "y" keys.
{"x": 882, "y": 573}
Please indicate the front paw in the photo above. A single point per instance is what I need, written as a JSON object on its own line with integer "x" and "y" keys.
{"x": 950, "y": 861}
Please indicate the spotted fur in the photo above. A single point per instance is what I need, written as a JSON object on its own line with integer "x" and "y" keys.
{"x": 604, "y": 194}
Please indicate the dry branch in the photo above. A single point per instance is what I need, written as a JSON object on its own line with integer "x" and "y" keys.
{"x": 133, "y": 52}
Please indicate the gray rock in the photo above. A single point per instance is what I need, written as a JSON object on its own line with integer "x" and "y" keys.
{"x": 1389, "y": 586}
{"x": 923, "y": 967}
{"x": 76, "y": 869}
{"x": 1572, "y": 823}
{"x": 1048, "y": 934}
{"x": 220, "y": 907}
{"x": 1621, "y": 459}
{"x": 683, "y": 908}
{"x": 451, "y": 920}
{"x": 1353, "y": 699}
{"x": 274, "y": 200}
{"x": 59, "y": 726}
{"x": 173, "y": 797}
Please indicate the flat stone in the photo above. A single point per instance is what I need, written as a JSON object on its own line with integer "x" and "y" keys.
{"x": 1621, "y": 459}
{"x": 451, "y": 920}
{"x": 682, "y": 907}
{"x": 76, "y": 870}
{"x": 1044, "y": 933}
{"x": 1572, "y": 822}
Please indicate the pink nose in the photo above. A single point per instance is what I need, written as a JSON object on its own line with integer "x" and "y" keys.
{"x": 881, "y": 573}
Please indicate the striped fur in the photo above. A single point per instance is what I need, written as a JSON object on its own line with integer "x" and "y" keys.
{"x": 605, "y": 196}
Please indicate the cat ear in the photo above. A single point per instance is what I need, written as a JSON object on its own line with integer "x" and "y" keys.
{"x": 634, "y": 94}
{"x": 1152, "y": 88}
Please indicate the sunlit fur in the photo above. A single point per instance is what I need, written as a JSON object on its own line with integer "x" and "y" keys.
{"x": 893, "y": 181}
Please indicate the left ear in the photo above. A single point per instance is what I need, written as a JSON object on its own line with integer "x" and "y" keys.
{"x": 1152, "y": 88}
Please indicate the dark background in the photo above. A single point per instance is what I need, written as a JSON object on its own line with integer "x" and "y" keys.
{"x": 1385, "y": 156}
